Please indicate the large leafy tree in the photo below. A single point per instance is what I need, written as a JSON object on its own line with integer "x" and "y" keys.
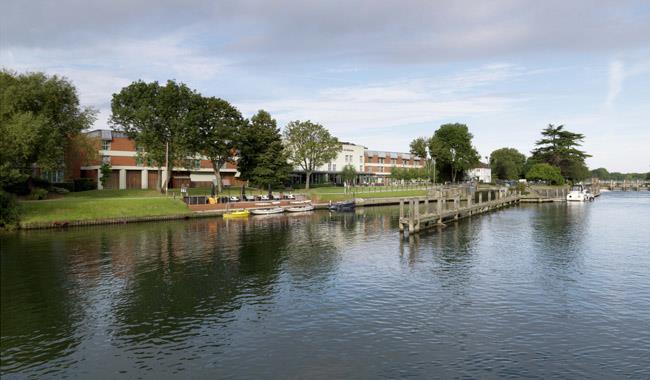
{"x": 507, "y": 163}
{"x": 545, "y": 172}
{"x": 262, "y": 157}
{"x": 451, "y": 146}
{"x": 310, "y": 145}
{"x": 600, "y": 173}
{"x": 560, "y": 147}
{"x": 156, "y": 117}
{"x": 349, "y": 174}
{"x": 40, "y": 118}
{"x": 216, "y": 124}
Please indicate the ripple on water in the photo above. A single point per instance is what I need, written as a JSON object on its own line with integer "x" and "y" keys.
{"x": 534, "y": 291}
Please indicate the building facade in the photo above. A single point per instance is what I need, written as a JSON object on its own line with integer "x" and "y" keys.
{"x": 128, "y": 171}
{"x": 380, "y": 164}
{"x": 481, "y": 173}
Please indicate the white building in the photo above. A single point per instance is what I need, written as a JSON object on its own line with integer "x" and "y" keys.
{"x": 482, "y": 173}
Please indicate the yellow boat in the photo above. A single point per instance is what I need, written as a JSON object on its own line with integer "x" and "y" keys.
{"x": 237, "y": 214}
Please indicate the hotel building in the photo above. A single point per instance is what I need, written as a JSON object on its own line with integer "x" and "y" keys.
{"x": 129, "y": 172}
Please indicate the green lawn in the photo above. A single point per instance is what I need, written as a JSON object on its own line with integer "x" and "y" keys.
{"x": 128, "y": 193}
{"x": 88, "y": 208}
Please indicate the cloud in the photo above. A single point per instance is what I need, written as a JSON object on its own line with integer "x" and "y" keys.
{"x": 616, "y": 76}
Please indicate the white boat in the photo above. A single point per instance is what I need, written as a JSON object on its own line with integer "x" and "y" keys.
{"x": 300, "y": 207}
{"x": 579, "y": 193}
{"x": 267, "y": 211}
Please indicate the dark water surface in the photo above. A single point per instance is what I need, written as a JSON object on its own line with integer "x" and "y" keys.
{"x": 534, "y": 291}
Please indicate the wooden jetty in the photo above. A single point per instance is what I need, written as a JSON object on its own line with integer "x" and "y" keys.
{"x": 419, "y": 217}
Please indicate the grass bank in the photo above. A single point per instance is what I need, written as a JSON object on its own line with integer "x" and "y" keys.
{"x": 76, "y": 208}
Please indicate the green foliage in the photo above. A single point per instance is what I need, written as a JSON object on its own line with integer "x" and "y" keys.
{"x": 600, "y": 173}
{"x": 105, "y": 171}
{"x": 310, "y": 145}
{"x": 262, "y": 157}
{"x": 545, "y": 172}
{"x": 215, "y": 127}
{"x": 9, "y": 211}
{"x": 156, "y": 117}
{"x": 84, "y": 184}
{"x": 39, "y": 116}
{"x": 507, "y": 163}
{"x": 272, "y": 166}
{"x": 349, "y": 173}
{"x": 451, "y": 146}
{"x": 559, "y": 147}
{"x": 38, "y": 194}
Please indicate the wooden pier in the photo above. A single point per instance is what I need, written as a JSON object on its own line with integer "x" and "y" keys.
{"x": 414, "y": 217}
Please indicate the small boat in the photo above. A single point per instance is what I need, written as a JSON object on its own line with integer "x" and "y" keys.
{"x": 303, "y": 208}
{"x": 343, "y": 206}
{"x": 579, "y": 193}
{"x": 267, "y": 211}
{"x": 236, "y": 214}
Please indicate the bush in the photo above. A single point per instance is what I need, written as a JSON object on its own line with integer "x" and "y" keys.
{"x": 38, "y": 194}
{"x": 9, "y": 215}
{"x": 69, "y": 186}
{"x": 84, "y": 184}
{"x": 59, "y": 190}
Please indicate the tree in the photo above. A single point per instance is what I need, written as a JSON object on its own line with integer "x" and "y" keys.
{"x": 545, "y": 172}
{"x": 261, "y": 151}
{"x": 272, "y": 166}
{"x": 420, "y": 147}
{"x": 507, "y": 163}
{"x": 451, "y": 146}
{"x": 559, "y": 147}
{"x": 600, "y": 173}
{"x": 310, "y": 145}
{"x": 216, "y": 126}
{"x": 40, "y": 117}
{"x": 156, "y": 117}
{"x": 349, "y": 174}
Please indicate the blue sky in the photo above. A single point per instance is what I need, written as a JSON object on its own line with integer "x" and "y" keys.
{"x": 374, "y": 73}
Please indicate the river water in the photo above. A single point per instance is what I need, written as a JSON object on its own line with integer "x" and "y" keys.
{"x": 537, "y": 291}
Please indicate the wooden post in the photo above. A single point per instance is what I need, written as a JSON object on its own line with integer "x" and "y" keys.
{"x": 426, "y": 205}
{"x": 401, "y": 215}
{"x": 480, "y": 197}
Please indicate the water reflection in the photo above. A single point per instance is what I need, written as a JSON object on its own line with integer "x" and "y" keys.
{"x": 521, "y": 292}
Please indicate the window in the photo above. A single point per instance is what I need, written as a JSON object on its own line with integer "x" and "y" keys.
{"x": 329, "y": 167}
{"x": 106, "y": 159}
{"x": 333, "y": 167}
{"x": 417, "y": 162}
{"x": 106, "y": 144}
{"x": 381, "y": 160}
{"x": 393, "y": 161}
{"x": 381, "y": 169}
{"x": 360, "y": 168}
{"x": 53, "y": 176}
{"x": 361, "y": 159}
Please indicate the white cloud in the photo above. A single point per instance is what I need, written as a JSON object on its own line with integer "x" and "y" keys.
{"x": 616, "y": 76}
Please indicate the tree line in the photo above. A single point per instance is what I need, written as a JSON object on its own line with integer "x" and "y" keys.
{"x": 172, "y": 123}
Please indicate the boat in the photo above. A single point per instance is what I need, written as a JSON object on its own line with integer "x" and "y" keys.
{"x": 241, "y": 213}
{"x": 267, "y": 211}
{"x": 342, "y": 206}
{"x": 579, "y": 193}
{"x": 301, "y": 208}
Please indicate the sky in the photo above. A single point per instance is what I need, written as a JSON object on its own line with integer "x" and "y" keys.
{"x": 376, "y": 73}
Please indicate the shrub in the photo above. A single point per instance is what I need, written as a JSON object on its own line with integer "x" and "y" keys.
{"x": 9, "y": 215}
{"x": 69, "y": 186}
{"x": 38, "y": 194}
{"x": 84, "y": 184}
{"x": 59, "y": 190}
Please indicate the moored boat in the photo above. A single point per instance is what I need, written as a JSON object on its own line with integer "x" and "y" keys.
{"x": 236, "y": 214}
{"x": 579, "y": 193}
{"x": 267, "y": 211}
{"x": 343, "y": 206}
{"x": 303, "y": 208}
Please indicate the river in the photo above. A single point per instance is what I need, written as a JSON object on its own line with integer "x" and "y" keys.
{"x": 537, "y": 291}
